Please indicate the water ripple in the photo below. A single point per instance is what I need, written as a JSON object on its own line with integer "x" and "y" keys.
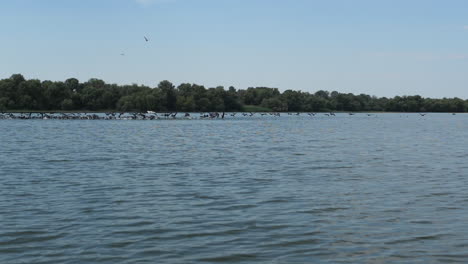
{"x": 279, "y": 190}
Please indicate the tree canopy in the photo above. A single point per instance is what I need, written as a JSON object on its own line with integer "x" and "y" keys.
{"x": 17, "y": 93}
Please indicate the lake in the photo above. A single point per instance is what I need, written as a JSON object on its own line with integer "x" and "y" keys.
{"x": 385, "y": 188}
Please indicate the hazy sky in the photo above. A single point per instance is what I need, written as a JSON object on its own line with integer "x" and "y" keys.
{"x": 383, "y": 48}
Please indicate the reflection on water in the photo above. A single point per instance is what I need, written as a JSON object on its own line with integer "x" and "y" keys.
{"x": 296, "y": 189}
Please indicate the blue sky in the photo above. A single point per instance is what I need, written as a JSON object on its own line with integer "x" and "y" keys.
{"x": 383, "y": 48}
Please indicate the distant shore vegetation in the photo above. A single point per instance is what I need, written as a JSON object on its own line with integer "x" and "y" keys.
{"x": 17, "y": 93}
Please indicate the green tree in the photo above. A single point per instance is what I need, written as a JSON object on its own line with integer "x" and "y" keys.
{"x": 170, "y": 95}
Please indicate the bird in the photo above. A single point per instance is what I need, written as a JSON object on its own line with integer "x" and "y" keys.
{"x": 146, "y": 38}
{"x": 122, "y": 54}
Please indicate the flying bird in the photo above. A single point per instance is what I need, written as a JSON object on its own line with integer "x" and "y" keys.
{"x": 146, "y": 39}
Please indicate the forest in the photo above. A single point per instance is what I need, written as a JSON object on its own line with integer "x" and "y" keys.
{"x": 19, "y": 94}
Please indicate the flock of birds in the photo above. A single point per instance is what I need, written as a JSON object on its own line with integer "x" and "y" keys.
{"x": 150, "y": 115}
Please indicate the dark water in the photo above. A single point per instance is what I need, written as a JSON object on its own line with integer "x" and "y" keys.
{"x": 390, "y": 188}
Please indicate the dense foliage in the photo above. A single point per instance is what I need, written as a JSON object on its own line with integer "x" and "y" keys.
{"x": 17, "y": 93}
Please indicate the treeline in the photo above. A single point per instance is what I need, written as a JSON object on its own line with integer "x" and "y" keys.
{"x": 17, "y": 93}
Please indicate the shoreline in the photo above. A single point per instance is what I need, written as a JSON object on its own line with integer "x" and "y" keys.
{"x": 182, "y": 116}
{"x": 227, "y": 112}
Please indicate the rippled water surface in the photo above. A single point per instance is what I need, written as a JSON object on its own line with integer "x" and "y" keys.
{"x": 388, "y": 188}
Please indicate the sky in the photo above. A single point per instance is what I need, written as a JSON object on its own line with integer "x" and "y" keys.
{"x": 376, "y": 47}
